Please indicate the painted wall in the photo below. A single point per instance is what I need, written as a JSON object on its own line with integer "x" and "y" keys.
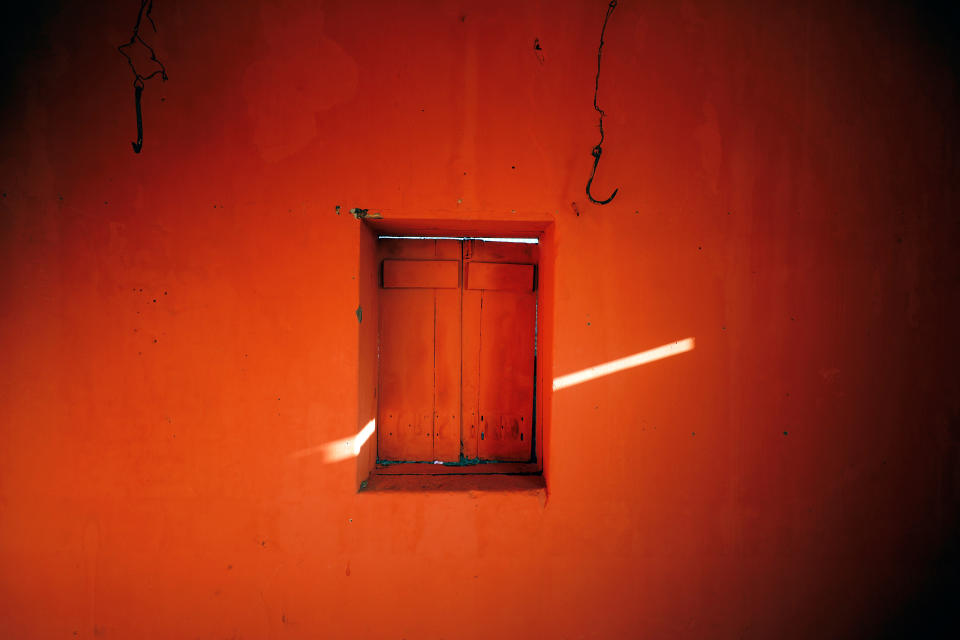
{"x": 178, "y": 329}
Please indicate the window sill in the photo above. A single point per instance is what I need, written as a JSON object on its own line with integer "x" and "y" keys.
{"x": 428, "y": 469}
{"x": 454, "y": 481}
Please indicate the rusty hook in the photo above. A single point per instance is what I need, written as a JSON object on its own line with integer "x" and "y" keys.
{"x": 137, "y": 94}
{"x": 597, "y": 150}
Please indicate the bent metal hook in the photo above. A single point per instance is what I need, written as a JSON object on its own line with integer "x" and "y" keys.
{"x": 597, "y": 150}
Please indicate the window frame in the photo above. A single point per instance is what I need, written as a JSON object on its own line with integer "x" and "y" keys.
{"x": 368, "y": 468}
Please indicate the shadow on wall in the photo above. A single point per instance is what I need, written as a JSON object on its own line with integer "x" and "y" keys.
{"x": 931, "y": 611}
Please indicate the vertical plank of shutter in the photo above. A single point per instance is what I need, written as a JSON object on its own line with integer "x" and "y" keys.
{"x": 446, "y": 442}
{"x": 470, "y": 373}
{"x": 446, "y": 446}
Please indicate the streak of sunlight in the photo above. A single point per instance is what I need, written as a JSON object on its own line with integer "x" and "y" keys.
{"x": 605, "y": 369}
{"x": 342, "y": 449}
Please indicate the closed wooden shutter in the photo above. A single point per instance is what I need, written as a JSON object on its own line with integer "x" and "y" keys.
{"x": 457, "y": 355}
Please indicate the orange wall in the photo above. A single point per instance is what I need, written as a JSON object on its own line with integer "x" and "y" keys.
{"x": 176, "y": 326}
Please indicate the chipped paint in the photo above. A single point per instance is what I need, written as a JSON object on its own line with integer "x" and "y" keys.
{"x": 359, "y": 213}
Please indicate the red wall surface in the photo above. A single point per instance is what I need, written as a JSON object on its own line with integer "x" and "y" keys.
{"x": 178, "y": 331}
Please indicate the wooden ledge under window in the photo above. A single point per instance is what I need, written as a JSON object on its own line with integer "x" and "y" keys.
{"x": 428, "y": 469}
{"x": 456, "y": 479}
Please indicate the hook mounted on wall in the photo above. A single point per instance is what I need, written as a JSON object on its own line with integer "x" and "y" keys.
{"x": 597, "y": 150}
{"x": 146, "y": 6}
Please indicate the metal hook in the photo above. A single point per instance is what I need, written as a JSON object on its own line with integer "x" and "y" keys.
{"x": 137, "y": 93}
{"x": 146, "y": 7}
{"x": 597, "y": 150}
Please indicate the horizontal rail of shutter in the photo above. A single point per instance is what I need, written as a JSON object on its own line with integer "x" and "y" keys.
{"x": 421, "y": 274}
{"x": 498, "y": 276}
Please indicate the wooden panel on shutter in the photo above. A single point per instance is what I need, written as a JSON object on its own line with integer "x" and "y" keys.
{"x": 446, "y": 442}
{"x": 405, "y": 422}
{"x": 421, "y": 274}
{"x": 419, "y": 402}
{"x": 499, "y": 276}
{"x": 506, "y": 394}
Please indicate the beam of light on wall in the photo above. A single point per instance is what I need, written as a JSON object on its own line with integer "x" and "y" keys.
{"x": 342, "y": 449}
{"x": 637, "y": 359}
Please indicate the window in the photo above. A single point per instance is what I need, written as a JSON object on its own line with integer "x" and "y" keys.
{"x": 457, "y": 355}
